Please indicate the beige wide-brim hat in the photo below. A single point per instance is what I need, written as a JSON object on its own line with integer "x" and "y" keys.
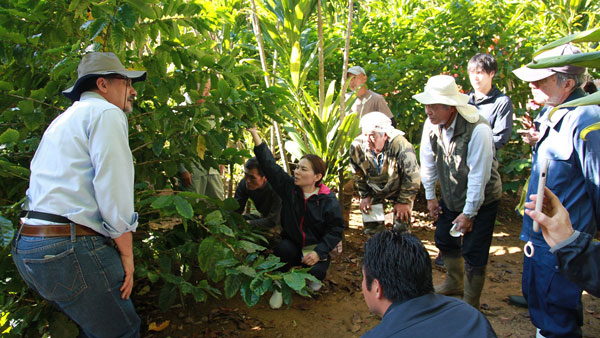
{"x": 100, "y": 63}
{"x": 442, "y": 89}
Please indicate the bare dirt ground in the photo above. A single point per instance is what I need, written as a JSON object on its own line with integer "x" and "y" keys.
{"x": 339, "y": 309}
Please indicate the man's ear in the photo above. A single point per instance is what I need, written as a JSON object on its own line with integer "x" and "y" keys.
{"x": 102, "y": 84}
{"x": 378, "y": 290}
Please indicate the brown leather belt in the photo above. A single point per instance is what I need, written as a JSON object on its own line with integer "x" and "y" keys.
{"x": 56, "y": 230}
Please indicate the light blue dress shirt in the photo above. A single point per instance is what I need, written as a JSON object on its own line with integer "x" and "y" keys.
{"x": 83, "y": 169}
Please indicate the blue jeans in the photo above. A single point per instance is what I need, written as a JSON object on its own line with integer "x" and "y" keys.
{"x": 81, "y": 276}
{"x": 474, "y": 245}
{"x": 554, "y": 302}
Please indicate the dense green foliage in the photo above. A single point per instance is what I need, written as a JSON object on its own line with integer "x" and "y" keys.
{"x": 207, "y": 249}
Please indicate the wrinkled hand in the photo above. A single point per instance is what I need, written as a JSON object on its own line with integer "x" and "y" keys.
{"x": 402, "y": 212}
{"x": 464, "y": 224}
{"x": 311, "y": 258}
{"x": 128, "y": 267}
{"x": 186, "y": 178}
{"x": 554, "y": 218}
{"x": 365, "y": 204}
{"x": 531, "y": 136}
{"x": 434, "y": 209}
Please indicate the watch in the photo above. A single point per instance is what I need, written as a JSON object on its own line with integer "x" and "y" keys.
{"x": 469, "y": 217}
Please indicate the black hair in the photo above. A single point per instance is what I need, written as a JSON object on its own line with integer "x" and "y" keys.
{"x": 484, "y": 61}
{"x": 253, "y": 164}
{"x": 88, "y": 84}
{"x": 400, "y": 263}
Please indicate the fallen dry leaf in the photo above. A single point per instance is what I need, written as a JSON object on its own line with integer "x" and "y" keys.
{"x": 158, "y": 328}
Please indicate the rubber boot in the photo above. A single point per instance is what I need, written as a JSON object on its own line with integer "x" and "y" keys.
{"x": 453, "y": 284}
{"x": 474, "y": 280}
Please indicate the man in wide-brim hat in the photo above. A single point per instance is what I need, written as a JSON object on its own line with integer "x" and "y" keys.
{"x": 457, "y": 150}
{"x": 573, "y": 175}
{"x": 80, "y": 199}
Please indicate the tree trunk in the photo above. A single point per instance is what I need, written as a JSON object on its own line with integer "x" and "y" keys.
{"x": 263, "y": 62}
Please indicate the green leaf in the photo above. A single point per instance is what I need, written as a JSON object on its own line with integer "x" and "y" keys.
{"x": 586, "y": 36}
{"x": 250, "y": 247}
{"x": 249, "y": 297}
{"x": 295, "y": 64}
{"x": 126, "y": 15}
{"x": 215, "y": 218}
{"x": 9, "y": 136}
{"x": 587, "y": 100}
{"x": 153, "y": 277}
{"x": 6, "y": 231}
{"x": 246, "y": 270}
{"x": 590, "y": 60}
{"x": 142, "y": 7}
{"x": 295, "y": 280}
{"x": 225, "y": 230}
{"x": 260, "y": 285}
{"x": 232, "y": 285}
{"x": 231, "y": 204}
{"x": 224, "y": 88}
{"x": 184, "y": 208}
{"x": 26, "y": 107}
{"x": 62, "y": 326}
{"x": 162, "y": 201}
{"x": 167, "y": 297}
{"x": 4, "y": 85}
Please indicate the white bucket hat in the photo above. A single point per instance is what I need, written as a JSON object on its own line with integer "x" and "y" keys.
{"x": 379, "y": 122}
{"x": 442, "y": 89}
{"x": 100, "y": 63}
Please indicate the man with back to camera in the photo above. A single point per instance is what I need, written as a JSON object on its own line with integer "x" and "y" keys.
{"x": 397, "y": 286}
{"x": 385, "y": 168}
{"x": 574, "y": 176}
{"x": 255, "y": 186}
{"x": 80, "y": 196}
{"x": 457, "y": 150}
{"x": 496, "y": 107}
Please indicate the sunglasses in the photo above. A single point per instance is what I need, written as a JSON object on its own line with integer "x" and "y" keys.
{"x": 120, "y": 77}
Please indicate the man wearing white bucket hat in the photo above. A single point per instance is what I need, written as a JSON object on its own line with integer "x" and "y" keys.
{"x": 574, "y": 176}
{"x": 385, "y": 168}
{"x": 80, "y": 197}
{"x": 457, "y": 150}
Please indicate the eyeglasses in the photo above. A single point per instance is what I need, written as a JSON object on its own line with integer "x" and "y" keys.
{"x": 120, "y": 77}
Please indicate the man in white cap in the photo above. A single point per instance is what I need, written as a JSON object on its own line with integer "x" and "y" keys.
{"x": 367, "y": 101}
{"x": 385, "y": 168}
{"x": 457, "y": 150}
{"x": 574, "y": 176}
{"x": 80, "y": 197}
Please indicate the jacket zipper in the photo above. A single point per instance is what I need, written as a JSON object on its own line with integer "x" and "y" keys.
{"x": 302, "y": 226}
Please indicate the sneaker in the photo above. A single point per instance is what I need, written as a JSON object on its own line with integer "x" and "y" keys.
{"x": 315, "y": 286}
{"x": 276, "y": 300}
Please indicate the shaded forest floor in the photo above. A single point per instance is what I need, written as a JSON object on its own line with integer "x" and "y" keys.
{"x": 339, "y": 309}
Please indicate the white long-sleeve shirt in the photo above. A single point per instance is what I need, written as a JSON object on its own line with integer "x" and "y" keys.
{"x": 480, "y": 156}
{"x": 83, "y": 169}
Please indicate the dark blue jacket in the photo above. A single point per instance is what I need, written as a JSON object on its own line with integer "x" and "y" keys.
{"x": 316, "y": 220}
{"x": 432, "y": 316}
{"x": 579, "y": 260}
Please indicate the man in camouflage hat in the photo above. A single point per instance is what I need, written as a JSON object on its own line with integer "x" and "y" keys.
{"x": 385, "y": 168}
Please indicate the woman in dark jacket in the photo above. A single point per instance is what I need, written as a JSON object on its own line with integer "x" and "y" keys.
{"x": 311, "y": 216}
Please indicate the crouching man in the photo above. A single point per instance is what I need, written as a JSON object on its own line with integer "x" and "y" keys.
{"x": 397, "y": 286}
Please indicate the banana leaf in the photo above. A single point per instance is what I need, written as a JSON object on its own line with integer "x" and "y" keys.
{"x": 590, "y": 60}
{"x": 591, "y": 35}
{"x": 588, "y": 100}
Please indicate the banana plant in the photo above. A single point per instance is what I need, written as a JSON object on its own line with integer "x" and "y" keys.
{"x": 590, "y": 60}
